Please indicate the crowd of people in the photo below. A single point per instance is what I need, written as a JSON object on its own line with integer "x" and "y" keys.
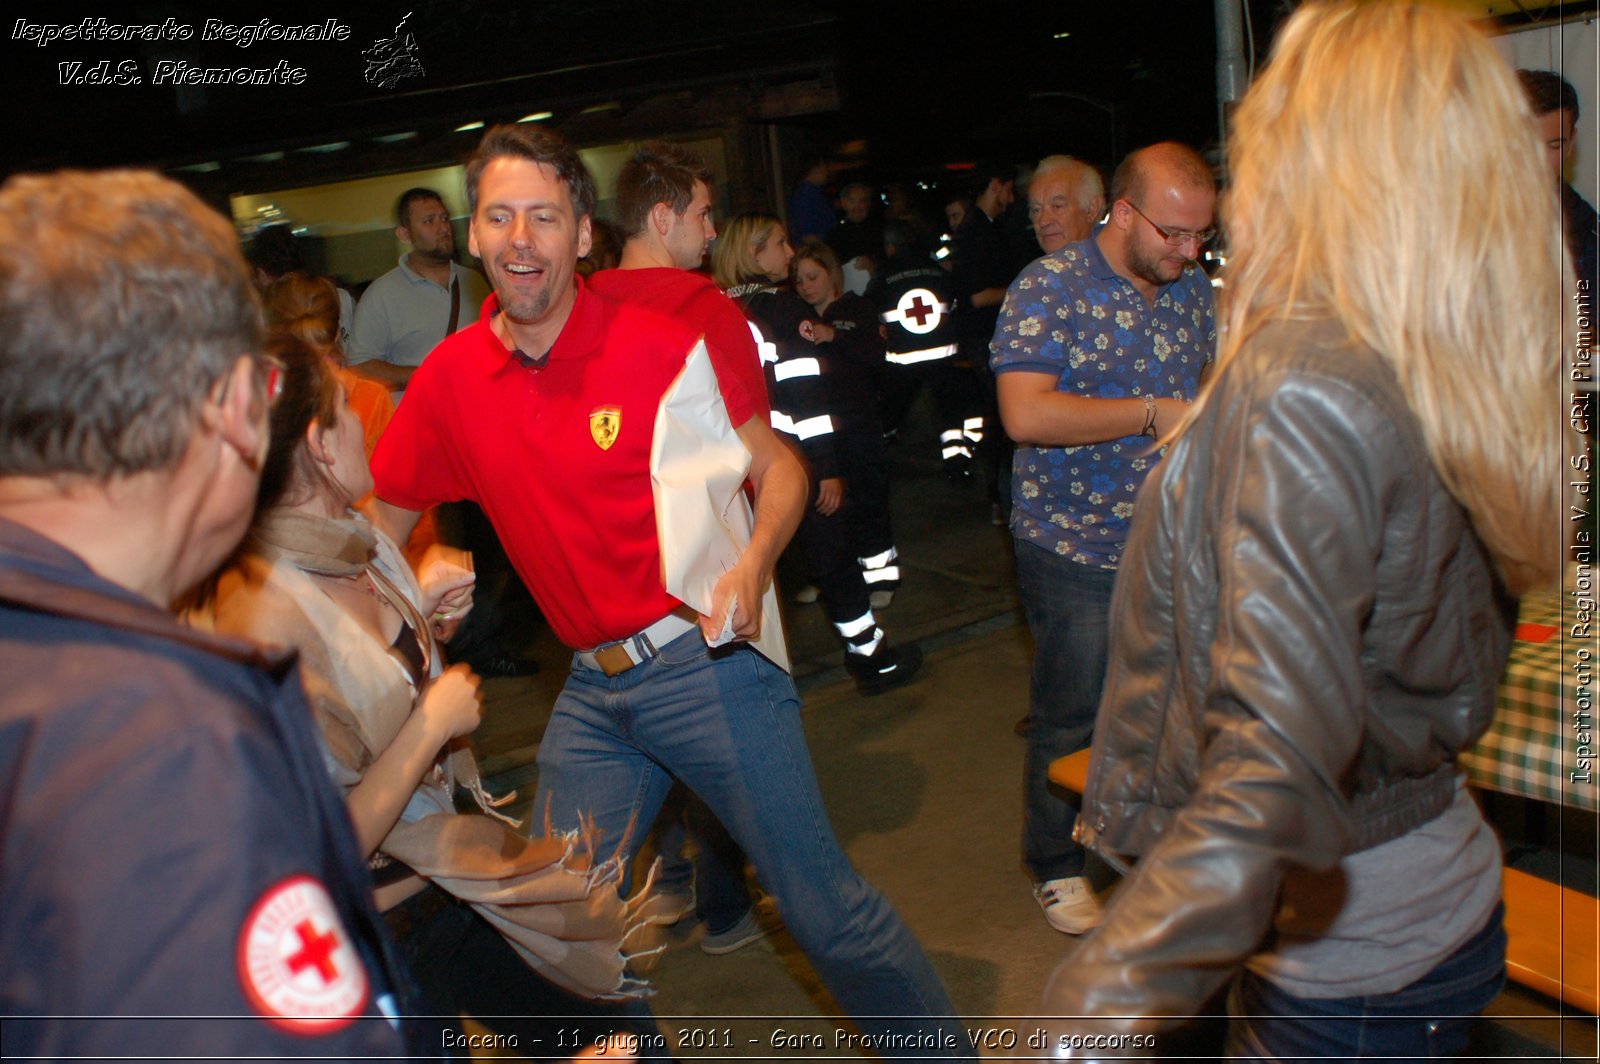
{"x": 1268, "y": 547}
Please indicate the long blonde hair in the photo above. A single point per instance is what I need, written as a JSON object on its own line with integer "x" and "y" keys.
{"x": 1386, "y": 174}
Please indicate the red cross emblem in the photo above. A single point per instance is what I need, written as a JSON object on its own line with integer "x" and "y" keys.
{"x": 316, "y": 951}
{"x": 918, "y": 311}
{"x": 296, "y": 961}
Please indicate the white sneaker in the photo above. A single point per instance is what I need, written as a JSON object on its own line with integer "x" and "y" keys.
{"x": 1069, "y": 904}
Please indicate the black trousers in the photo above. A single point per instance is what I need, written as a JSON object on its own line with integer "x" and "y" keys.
{"x": 860, "y": 528}
{"x": 464, "y": 965}
{"x": 952, "y": 397}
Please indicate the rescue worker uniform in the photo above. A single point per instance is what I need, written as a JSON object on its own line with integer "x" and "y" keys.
{"x": 179, "y": 874}
{"x": 916, "y": 304}
{"x": 806, "y": 408}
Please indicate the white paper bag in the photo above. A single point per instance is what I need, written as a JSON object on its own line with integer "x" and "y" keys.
{"x": 698, "y": 467}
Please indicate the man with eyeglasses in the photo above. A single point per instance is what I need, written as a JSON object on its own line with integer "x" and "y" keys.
{"x": 1097, "y": 353}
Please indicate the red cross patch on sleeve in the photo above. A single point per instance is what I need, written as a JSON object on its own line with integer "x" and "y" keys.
{"x": 296, "y": 961}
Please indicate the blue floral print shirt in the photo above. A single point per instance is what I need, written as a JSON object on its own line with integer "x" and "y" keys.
{"x": 1071, "y": 315}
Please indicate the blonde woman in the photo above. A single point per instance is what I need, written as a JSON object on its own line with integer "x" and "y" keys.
{"x": 847, "y": 335}
{"x": 751, "y": 261}
{"x": 1316, "y": 602}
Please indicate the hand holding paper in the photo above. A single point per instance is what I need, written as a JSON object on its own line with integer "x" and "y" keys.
{"x": 703, "y": 519}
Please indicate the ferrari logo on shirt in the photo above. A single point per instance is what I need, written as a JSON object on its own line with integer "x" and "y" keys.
{"x": 604, "y": 424}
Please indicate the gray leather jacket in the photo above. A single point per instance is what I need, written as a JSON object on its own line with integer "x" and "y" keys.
{"x": 1305, "y": 632}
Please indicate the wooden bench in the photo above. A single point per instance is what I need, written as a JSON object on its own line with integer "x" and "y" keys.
{"x": 1551, "y": 930}
{"x": 1071, "y": 772}
{"x": 1550, "y": 939}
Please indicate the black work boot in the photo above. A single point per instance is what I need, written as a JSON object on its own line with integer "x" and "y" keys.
{"x": 884, "y": 669}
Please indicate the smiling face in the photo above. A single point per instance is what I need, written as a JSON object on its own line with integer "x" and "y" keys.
{"x": 689, "y": 234}
{"x": 527, "y": 233}
{"x": 814, "y": 284}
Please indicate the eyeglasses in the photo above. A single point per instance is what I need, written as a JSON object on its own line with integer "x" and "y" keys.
{"x": 1175, "y": 237}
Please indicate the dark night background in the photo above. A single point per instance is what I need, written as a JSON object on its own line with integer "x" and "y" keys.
{"x": 918, "y": 86}
{"x": 900, "y": 90}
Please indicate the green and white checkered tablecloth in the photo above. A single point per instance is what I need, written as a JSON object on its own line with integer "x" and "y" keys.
{"x": 1531, "y": 749}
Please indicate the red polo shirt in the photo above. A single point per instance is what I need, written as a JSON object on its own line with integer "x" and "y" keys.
{"x": 559, "y": 458}
{"x": 694, "y": 302}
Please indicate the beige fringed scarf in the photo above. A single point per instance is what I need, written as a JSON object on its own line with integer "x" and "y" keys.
{"x": 551, "y": 897}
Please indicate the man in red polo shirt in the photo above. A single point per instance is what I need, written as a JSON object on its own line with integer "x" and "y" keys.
{"x": 542, "y": 413}
{"x": 663, "y": 202}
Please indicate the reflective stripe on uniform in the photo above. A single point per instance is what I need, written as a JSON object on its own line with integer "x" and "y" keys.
{"x": 820, "y": 425}
{"x": 917, "y": 311}
{"x": 927, "y": 354}
{"x": 797, "y": 367}
{"x": 769, "y": 351}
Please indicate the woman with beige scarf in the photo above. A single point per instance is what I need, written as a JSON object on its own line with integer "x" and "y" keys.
{"x": 493, "y": 923}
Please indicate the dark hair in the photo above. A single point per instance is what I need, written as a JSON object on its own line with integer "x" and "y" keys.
{"x": 605, "y": 248}
{"x": 543, "y": 146}
{"x": 659, "y": 172}
{"x": 402, "y": 207}
{"x": 310, "y": 393}
{"x": 987, "y": 170}
{"x": 275, "y": 251}
{"x": 1186, "y": 164}
{"x": 908, "y": 236}
{"x": 124, "y": 300}
{"x": 1548, "y": 91}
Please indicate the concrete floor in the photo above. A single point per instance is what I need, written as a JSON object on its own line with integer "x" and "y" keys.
{"x": 924, "y": 788}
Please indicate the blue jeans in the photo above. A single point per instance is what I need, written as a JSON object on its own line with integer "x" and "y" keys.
{"x": 716, "y": 875}
{"x": 1068, "y": 606}
{"x": 1427, "y": 1020}
{"x": 727, "y": 723}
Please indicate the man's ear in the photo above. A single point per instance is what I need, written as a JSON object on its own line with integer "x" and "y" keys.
{"x": 402, "y": 234}
{"x": 661, "y": 218}
{"x": 585, "y": 236}
{"x": 472, "y": 236}
{"x": 1122, "y": 214}
{"x": 1097, "y": 208}
{"x": 239, "y": 412}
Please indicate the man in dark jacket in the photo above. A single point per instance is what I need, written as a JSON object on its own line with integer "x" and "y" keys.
{"x": 179, "y": 875}
{"x": 1555, "y": 107}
